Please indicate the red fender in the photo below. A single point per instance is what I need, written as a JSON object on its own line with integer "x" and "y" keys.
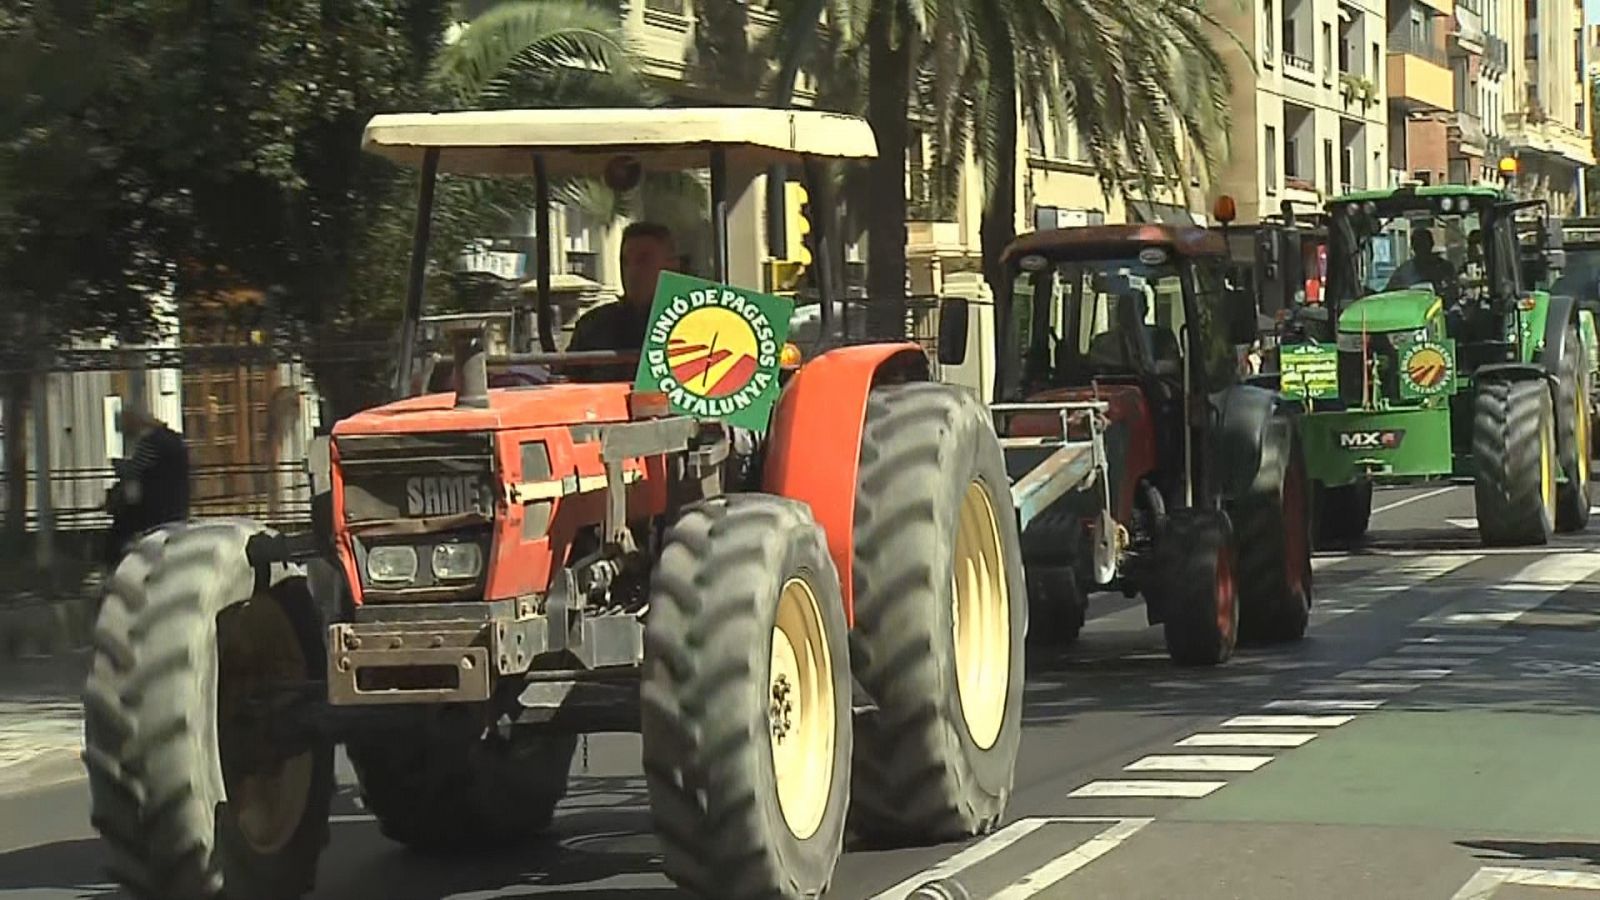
{"x": 814, "y": 445}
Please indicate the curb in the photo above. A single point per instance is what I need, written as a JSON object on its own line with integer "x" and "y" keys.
{"x": 35, "y": 627}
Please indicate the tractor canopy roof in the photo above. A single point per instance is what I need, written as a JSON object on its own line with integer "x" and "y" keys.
{"x": 588, "y": 142}
{"x": 1093, "y": 241}
{"x": 1426, "y": 190}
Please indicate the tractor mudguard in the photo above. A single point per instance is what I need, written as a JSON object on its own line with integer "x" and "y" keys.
{"x": 814, "y": 445}
{"x": 1243, "y": 445}
{"x": 1563, "y": 311}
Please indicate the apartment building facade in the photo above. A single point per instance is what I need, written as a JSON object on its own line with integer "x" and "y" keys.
{"x": 1480, "y": 63}
{"x": 1310, "y": 120}
{"x": 1549, "y": 129}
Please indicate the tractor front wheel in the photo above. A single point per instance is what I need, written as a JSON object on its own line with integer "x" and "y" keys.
{"x": 745, "y": 701}
{"x": 941, "y": 619}
{"x": 1342, "y": 513}
{"x": 1573, "y": 435}
{"x": 1195, "y": 563}
{"x": 1514, "y": 453}
{"x": 196, "y": 792}
{"x": 1274, "y": 526}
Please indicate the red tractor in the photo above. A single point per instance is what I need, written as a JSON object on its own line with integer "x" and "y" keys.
{"x": 1119, "y": 349}
{"x": 832, "y": 624}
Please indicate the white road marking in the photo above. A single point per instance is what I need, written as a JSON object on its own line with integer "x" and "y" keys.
{"x": 1365, "y": 687}
{"x": 1216, "y": 762}
{"x": 1177, "y": 789}
{"x": 1453, "y": 647}
{"x": 971, "y": 856}
{"x": 1424, "y": 662}
{"x": 1489, "y": 879}
{"x": 1466, "y": 638}
{"x": 1286, "y": 721}
{"x": 1469, "y": 524}
{"x": 1425, "y": 674}
{"x": 1056, "y": 870}
{"x": 1326, "y": 704}
{"x": 1506, "y": 601}
{"x": 1247, "y": 739}
{"x": 1410, "y": 500}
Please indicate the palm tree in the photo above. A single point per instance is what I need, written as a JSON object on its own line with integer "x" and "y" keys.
{"x": 1141, "y": 80}
{"x": 525, "y": 54}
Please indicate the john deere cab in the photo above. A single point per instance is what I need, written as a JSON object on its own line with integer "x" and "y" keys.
{"x": 1447, "y": 362}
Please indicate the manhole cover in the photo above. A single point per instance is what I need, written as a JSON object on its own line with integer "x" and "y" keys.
{"x": 614, "y": 842}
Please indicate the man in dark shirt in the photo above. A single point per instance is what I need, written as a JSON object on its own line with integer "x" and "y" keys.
{"x": 153, "y": 485}
{"x": 647, "y": 249}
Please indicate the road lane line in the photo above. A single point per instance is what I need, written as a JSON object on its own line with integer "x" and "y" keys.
{"x": 1284, "y": 720}
{"x": 1300, "y": 703}
{"x": 1216, "y": 762}
{"x": 1465, "y": 638}
{"x": 1505, "y": 602}
{"x": 1056, "y": 870}
{"x": 971, "y": 856}
{"x": 1488, "y": 879}
{"x": 1412, "y": 499}
{"x": 1427, "y": 674}
{"x": 1167, "y": 789}
{"x": 1247, "y": 739}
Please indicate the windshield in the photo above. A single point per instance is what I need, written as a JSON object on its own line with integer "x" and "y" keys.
{"x": 1082, "y": 319}
{"x": 1396, "y": 250}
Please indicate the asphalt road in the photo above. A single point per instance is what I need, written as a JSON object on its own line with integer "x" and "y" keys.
{"x": 1433, "y": 737}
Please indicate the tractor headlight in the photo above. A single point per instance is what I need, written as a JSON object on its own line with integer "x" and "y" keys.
{"x": 455, "y": 562}
{"x": 392, "y": 565}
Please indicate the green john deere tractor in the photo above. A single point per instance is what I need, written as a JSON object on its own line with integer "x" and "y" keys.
{"x": 1451, "y": 359}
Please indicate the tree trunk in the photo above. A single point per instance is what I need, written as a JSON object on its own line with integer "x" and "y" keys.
{"x": 889, "y": 61}
{"x": 999, "y": 224}
{"x": 16, "y": 427}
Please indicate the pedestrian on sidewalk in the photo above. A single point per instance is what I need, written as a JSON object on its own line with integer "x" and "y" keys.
{"x": 152, "y": 486}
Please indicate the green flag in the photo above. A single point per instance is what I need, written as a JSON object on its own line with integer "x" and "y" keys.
{"x": 713, "y": 349}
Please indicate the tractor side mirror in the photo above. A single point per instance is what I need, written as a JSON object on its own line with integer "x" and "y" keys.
{"x": 953, "y": 324}
{"x": 1240, "y": 309}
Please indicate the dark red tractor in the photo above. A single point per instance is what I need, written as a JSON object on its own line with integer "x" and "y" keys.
{"x": 1123, "y": 344}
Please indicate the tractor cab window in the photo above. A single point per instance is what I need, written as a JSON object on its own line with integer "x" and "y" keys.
{"x": 1422, "y": 247}
{"x": 1218, "y": 358}
{"x": 1081, "y": 319}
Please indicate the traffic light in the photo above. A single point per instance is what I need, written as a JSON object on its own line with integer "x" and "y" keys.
{"x": 797, "y": 223}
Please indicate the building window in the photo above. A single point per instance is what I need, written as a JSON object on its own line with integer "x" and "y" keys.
{"x": 1347, "y": 168}
{"x": 1327, "y": 52}
{"x": 1377, "y": 64}
{"x": 1327, "y": 165}
{"x": 1266, "y": 31}
{"x": 1271, "y": 156}
{"x": 1291, "y": 157}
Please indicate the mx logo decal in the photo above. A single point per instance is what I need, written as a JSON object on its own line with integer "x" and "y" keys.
{"x": 1382, "y": 439}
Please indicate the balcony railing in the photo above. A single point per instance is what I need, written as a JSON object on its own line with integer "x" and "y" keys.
{"x": 1404, "y": 42}
{"x": 1469, "y": 129}
{"x": 1299, "y": 64}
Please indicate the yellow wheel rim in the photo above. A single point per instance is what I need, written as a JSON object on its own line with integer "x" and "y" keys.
{"x": 800, "y": 709}
{"x": 982, "y": 619}
{"x": 257, "y": 647}
{"x": 1581, "y": 402}
{"x": 1547, "y": 479}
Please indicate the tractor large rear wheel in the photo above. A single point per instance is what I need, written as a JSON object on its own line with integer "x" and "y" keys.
{"x": 745, "y": 701}
{"x": 1514, "y": 454}
{"x": 941, "y": 619}
{"x": 443, "y": 784}
{"x": 1274, "y": 529}
{"x": 1573, "y": 434}
{"x": 196, "y": 793}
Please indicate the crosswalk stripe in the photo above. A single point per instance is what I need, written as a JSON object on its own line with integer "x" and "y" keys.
{"x": 1453, "y": 647}
{"x": 1425, "y": 662}
{"x": 1247, "y": 739}
{"x": 1285, "y": 720}
{"x": 1169, "y": 789}
{"x": 1505, "y": 602}
{"x": 1427, "y": 674}
{"x": 1468, "y": 638}
{"x": 1300, "y": 703}
{"x": 1219, "y": 762}
{"x": 1365, "y": 687}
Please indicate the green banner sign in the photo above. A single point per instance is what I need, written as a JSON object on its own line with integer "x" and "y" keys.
{"x": 1308, "y": 370}
{"x": 713, "y": 349}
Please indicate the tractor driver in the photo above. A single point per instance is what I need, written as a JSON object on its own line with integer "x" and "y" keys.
{"x": 1425, "y": 265}
{"x": 648, "y": 249}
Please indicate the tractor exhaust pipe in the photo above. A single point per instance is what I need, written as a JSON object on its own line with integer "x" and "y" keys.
{"x": 472, "y": 368}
